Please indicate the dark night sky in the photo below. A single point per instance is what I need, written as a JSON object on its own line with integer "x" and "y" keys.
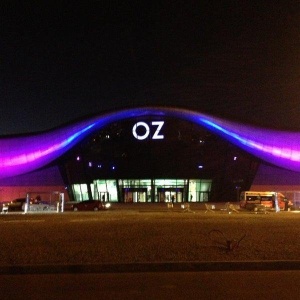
{"x": 235, "y": 59}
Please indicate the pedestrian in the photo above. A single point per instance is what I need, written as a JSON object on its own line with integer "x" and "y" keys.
{"x": 172, "y": 199}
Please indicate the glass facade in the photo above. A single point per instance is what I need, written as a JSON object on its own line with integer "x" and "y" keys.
{"x": 199, "y": 190}
{"x": 104, "y": 190}
{"x": 80, "y": 192}
{"x": 145, "y": 190}
{"x": 94, "y": 157}
{"x": 156, "y": 159}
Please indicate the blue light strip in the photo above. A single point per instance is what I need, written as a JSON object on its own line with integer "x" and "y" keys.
{"x": 20, "y": 155}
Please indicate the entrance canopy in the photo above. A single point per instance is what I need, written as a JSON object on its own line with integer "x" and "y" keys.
{"x": 23, "y": 154}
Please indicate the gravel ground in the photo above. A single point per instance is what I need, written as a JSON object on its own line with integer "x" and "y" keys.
{"x": 128, "y": 236}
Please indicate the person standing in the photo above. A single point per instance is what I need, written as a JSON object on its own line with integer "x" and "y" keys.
{"x": 172, "y": 199}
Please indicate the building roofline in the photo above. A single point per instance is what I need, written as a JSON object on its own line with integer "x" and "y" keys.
{"x": 24, "y": 153}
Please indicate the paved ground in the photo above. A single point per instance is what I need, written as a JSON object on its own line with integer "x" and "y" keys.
{"x": 234, "y": 285}
{"x": 144, "y": 234}
{"x": 151, "y": 252}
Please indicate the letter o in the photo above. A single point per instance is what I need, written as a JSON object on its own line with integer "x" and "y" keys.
{"x": 144, "y": 136}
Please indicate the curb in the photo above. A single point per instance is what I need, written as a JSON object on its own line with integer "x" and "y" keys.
{"x": 152, "y": 267}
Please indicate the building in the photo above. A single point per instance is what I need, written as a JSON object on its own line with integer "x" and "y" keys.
{"x": 150, "y": 154}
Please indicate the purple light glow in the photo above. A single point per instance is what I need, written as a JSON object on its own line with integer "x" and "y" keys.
{"x": 19, "y": 155}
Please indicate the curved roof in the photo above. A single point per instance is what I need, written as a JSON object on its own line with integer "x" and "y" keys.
{"x": 19, "y": 155}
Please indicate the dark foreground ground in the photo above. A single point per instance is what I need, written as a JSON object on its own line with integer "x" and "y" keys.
{"x": 150, "y": 252}
{"x": 234, "y": 285}
{"x": 147, "y": 235}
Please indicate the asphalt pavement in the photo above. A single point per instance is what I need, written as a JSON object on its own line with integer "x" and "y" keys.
{"x": 40, "y": 235}
{"x": 153, "y": 285}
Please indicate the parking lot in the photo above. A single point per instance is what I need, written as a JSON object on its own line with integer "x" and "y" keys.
{"x": 142, "y": 234}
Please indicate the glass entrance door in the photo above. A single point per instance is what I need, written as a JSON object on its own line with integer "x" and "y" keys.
{"x": 134, "y": 195}
{"x": 170, "y": 195}
{"x": 103, "y": 196}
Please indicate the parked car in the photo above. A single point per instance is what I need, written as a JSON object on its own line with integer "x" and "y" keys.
{"x": 14, "y": 205}
{"x": 92, "y": 205}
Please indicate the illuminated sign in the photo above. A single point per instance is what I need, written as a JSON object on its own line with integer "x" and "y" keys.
{"x": 146, "y": 130}
{"x": 23, "y": 154}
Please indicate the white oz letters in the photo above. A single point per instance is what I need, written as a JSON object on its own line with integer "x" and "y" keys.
{"x": 147, "y": 130}
{"x": 156, "y": 135}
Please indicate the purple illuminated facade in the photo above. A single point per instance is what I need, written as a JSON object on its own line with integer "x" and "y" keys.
{"x": 21, "y": 155}
{"x": 24, "y": 154}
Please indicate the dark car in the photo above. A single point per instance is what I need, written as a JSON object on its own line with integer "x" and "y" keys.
{"x": 92, "y": 205}
{"x": 14, "y": 205}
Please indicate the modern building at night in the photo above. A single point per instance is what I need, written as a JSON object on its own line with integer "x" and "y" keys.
{"x": 153, "y": 154}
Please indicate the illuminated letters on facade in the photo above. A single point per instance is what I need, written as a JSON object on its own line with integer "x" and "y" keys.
{"x": 23, "y": 154}
{"x": 156, "y": 135}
